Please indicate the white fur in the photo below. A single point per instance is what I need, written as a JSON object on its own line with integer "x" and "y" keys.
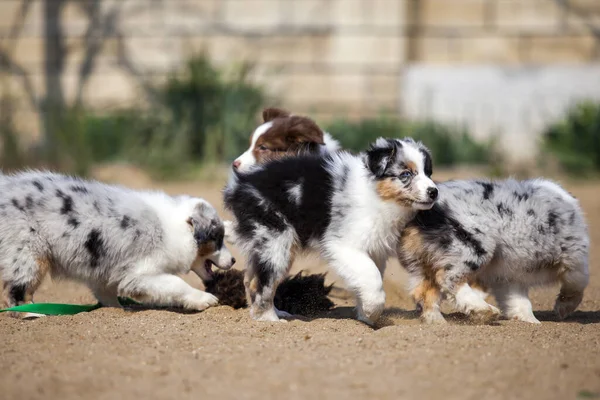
{"x": 362, "y": 233}
{"x": 247, "y": 159}
{"x": 115, "y": 240}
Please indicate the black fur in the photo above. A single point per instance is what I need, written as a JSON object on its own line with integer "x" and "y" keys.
{"x": 38, "y": 185}
{"x": 504, "y": 210}
{"x": 125, "y": 222}
{"x": 473, "y": 265}
{"x": 438, "y": 225}
{"x": 15, "y": 203}
{"x": 29, "y": 202}
{"x": 16, "y": 293}
{"x": 95, "y": 246}
{"x": 67, "y": 206}
{"x": 300, "y": 294}
{"x": 553, "y": 222}
{"x": 310, "y": 219}
{"x": 488, "y": 189}
{"x": 379, "y": 158}
{"x": 73, "y": 222}
{"x": 79, "y": 189}
{"x": 428, "y": 165}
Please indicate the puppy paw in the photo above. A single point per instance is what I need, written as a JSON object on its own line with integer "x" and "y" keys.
{"x": 565, "y": 305}
{"x": 526, "y": 318}
{"x": 485, "y": 316}
{"x": 267, "y": 316}
{"x": 370, "y": 308}
{"x": 433, "y": 318}
{"x": 201, "y": 301}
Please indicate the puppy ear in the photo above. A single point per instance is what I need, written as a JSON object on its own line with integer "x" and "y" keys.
{"x": 271, "y": 113}
{"x": 198, "y": 229}
{"x": 380, "y": 157}
{"x": 301, "y": 130}
{"x": 427, "y": 164}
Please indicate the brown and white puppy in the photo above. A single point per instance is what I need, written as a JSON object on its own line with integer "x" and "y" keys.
{"x": 282, "y": 134}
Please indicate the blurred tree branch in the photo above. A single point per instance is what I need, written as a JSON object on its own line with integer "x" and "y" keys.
{"x": 8, "y": 65}
{"x": 99, "y": 29}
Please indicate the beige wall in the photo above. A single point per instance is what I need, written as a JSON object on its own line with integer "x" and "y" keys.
{"x": 326, "y": 57}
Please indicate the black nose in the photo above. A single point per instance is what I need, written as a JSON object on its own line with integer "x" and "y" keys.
{"x": 432, "y": 192}
{"x": 232, "y": 260}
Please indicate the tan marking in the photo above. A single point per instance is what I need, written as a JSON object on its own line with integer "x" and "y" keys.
{"x": 476, "y": 284}
{"x": 411, "y": 166}
{"x": 412, "y": 242}
{"x": 45, "y": 265}
{"x": 206, "y": 249}
{"x": 388, "y": 190}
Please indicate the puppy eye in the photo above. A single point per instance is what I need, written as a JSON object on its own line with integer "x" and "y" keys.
{"x": 262, "y": 148}
{"x": 405, "y": 174}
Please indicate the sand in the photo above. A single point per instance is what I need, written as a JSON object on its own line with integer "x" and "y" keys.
{"x": 160, "y": 354}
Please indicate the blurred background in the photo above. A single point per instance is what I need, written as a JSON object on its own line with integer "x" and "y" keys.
{"x": 175, "y": 86}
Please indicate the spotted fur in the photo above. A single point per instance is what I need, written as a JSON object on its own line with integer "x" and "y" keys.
{"x": 507, "y": 236}
{"x": 115, "y": 240}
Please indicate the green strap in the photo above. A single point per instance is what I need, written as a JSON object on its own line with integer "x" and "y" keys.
{"x": 63, "y": 309}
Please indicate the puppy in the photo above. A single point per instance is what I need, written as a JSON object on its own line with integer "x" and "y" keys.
{"x": 350, "y": 209}
{"x": 115, "y": 240}
{"x": 283, "y": 134}
{"x": 508, "y": 235}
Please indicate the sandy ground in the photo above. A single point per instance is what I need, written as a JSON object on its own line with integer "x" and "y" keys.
{"x": 113, "y": 354}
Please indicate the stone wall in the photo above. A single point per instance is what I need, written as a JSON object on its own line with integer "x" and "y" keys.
{"x": 324, "y": 57}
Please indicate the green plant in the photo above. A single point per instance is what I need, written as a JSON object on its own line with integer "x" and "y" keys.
{"x": 575, "y": 140}
{"x": 449, "y": 146}
{"x": 12, "y": 155}
{"x": 217, "y": 107}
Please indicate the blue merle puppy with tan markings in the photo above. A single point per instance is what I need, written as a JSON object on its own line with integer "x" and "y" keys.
{"x": 115, "y": 240}
{"x": 507, "y": 236}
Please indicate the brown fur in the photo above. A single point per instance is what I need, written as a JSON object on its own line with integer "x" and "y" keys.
{"x": 389, "y": 191}
{"x": 206, "y": 249}
{"x": 271, "y": 113}
{"x": 428, "y": 293}
{"x": 290, "y": 135}
{"x": 300, "y": 294}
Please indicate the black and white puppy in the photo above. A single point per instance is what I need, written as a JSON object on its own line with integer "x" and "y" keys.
{"x": 348, "y": 208}
{"x": 115, "y": 240}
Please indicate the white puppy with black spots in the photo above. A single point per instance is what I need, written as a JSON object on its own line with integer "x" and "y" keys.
{"x": 117, "y": 241}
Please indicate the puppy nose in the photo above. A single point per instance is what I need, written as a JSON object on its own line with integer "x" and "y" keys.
{"x": 236, "y": 164}
{"x": 432, "y": 192}
{"x": 232, "y": 260}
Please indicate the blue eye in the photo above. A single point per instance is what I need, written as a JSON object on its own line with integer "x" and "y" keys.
{"x": 405, "y": 174}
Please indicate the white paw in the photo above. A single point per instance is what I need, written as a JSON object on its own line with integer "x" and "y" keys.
{"x": 525, "y": 318}
{"x": 433, "y": 318}
{"x": 267, "y": 316}
{"x": 485, "y": 315}
{"x": 201, "y": 301}
{"x": 369, "y": 308}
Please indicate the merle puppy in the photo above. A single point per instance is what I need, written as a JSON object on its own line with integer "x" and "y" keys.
{"x": 507, "y": 235}
{"x": 115, "y": 240}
